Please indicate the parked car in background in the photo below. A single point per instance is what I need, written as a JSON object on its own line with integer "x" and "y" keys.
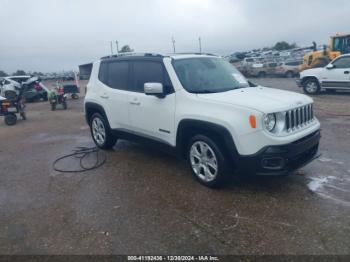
{"x": 262, "y": 70}
{"x": 334, "y": 76}
{"x": 288, "y": 69}
{"x": 35, "y": 90}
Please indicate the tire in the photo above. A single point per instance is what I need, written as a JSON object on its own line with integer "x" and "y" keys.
{"x": 53, "y": 106}
{"x": 261, "y": 74}
{"x": 289, "y": 74}
{"x": 101, "y": 132}
{"x": 311, "y": 86}
{"x": 64, "y": 104}
{"x": 75, "y": 96}
{"x": 10, "y": 119}
{"x": 203, "y": 155}
{"x": 45, "y": 97}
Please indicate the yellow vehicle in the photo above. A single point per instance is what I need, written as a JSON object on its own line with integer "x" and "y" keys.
{"x": 339, "y": 44}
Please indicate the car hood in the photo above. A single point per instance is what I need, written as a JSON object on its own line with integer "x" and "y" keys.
{"x": 263, "y": 99}
{"x": 312, "y": 71}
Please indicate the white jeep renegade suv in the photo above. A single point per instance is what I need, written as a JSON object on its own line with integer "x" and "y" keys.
{"x": 201, "y": 108}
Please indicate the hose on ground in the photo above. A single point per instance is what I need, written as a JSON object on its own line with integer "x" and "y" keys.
{"x": 81, "y": 153}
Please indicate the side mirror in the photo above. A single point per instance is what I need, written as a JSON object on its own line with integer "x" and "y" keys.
{"x": 155, "y": 89}
{"x": 329, "y": 66}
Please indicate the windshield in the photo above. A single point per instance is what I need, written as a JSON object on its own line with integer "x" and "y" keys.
{"x": 208, "y": 75}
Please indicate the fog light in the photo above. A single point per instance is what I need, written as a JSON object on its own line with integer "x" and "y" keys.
{"x": 272, "y": 163}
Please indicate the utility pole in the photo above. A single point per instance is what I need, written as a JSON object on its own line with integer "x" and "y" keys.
{"x": 173, "y": 41}
{"x": 111, "y": 48}
{"x": 116, "y": 43}
{"x": 200, "y": 45}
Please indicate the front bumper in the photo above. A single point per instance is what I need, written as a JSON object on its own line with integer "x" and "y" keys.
{"x": 298, "y": 82}
{"x": 281, "y": 159}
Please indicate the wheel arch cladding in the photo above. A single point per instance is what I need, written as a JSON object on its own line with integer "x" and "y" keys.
{"x": 91, "y": 108}
{"x": 306, "y": 78}
{"x": 187, "y": 128}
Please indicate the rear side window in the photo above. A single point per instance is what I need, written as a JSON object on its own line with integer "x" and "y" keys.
{"x": 149, "y": 72}
{"x": 115, "y": 74}
{"x": 292, "y": 63}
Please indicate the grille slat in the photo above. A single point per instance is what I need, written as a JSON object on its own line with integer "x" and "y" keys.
{"x": 298, "y": 117}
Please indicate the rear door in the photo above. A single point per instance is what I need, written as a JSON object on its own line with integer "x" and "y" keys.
{"x": 115, "y": 92}
{"x": 149, "y": 115}
{"x": 337, "y": 77}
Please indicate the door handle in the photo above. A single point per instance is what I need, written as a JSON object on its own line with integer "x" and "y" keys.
{"x": 346, "y": 72}
{"x": 135, "y": 103}
{"x": 104, "y": 96}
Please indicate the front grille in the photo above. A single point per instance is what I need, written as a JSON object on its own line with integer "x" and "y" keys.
{"x": 299, "y": 117}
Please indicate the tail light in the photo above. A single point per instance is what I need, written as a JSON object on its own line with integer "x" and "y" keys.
{"x": 5, "y": 105}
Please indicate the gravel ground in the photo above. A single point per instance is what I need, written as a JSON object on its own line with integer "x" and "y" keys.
{"x": 145, "y": 202}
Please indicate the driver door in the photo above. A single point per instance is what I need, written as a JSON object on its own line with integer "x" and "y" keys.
{"x": 338, "y": 76}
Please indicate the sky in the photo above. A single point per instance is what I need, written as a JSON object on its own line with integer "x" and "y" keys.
{"x": 56, "y": 35}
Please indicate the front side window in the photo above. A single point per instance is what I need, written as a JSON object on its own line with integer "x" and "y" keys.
{"x": 343, "y": 62}
{"x": 146, "y": 72}
{"x": 208, "y": 75}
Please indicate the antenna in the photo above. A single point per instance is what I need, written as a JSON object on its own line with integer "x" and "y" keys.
{"x": 200, "y": 44}
{"x": 173, "y": 41}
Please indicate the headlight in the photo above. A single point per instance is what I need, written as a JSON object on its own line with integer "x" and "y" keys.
{"x": 270, "y": 122}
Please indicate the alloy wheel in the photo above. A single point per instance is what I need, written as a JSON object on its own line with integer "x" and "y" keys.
{"x": 203, "y": 161}
{"x": 98, "y": 131}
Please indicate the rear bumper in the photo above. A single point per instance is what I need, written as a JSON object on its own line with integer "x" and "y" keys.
{"x": 281, "y": 159}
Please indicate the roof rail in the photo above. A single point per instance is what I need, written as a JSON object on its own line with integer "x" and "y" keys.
{"x": 193, "y": 53}
{"x": 132, "y": 54}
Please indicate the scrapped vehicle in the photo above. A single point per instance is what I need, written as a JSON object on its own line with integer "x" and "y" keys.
{"x": 334, "y": 76}
{"x": 73, "y": 90}
{"x": 35, "y": 90}
{"x": 58, "y": 97}
{"x": 199, "y": 107}
{"x": 8, "y": 84}
{"x": 11, "y": 104}
{"x": 262, "y": 70}
{"x": 288, "y": 69}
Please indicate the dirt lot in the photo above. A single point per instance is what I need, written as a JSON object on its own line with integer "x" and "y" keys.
{"x": 145, "y": 202}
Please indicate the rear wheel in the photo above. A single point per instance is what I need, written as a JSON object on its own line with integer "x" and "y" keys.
{"x": 289, "y": 74}
{"x": 10, "y": 119}
{"x": 261, "y": 74}
{"x": 207, "y": 161}
{"x": 311, "y": 86}
{"x": 64, "y": 104}
{"x": 75, "y": 96}
{"x": 101, "y": 132}
{"x": 53, "y": 106}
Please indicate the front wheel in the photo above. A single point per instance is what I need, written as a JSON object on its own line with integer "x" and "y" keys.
{"x": 101, "y": 132}
{"x": 64, "y": 104}
{"x": 207, "y": 161}
{"x": 311, "y": 87}
{"x": 53, "y": 106}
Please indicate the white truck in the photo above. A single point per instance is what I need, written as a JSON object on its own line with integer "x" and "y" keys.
{"x": 334, "y": 76}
